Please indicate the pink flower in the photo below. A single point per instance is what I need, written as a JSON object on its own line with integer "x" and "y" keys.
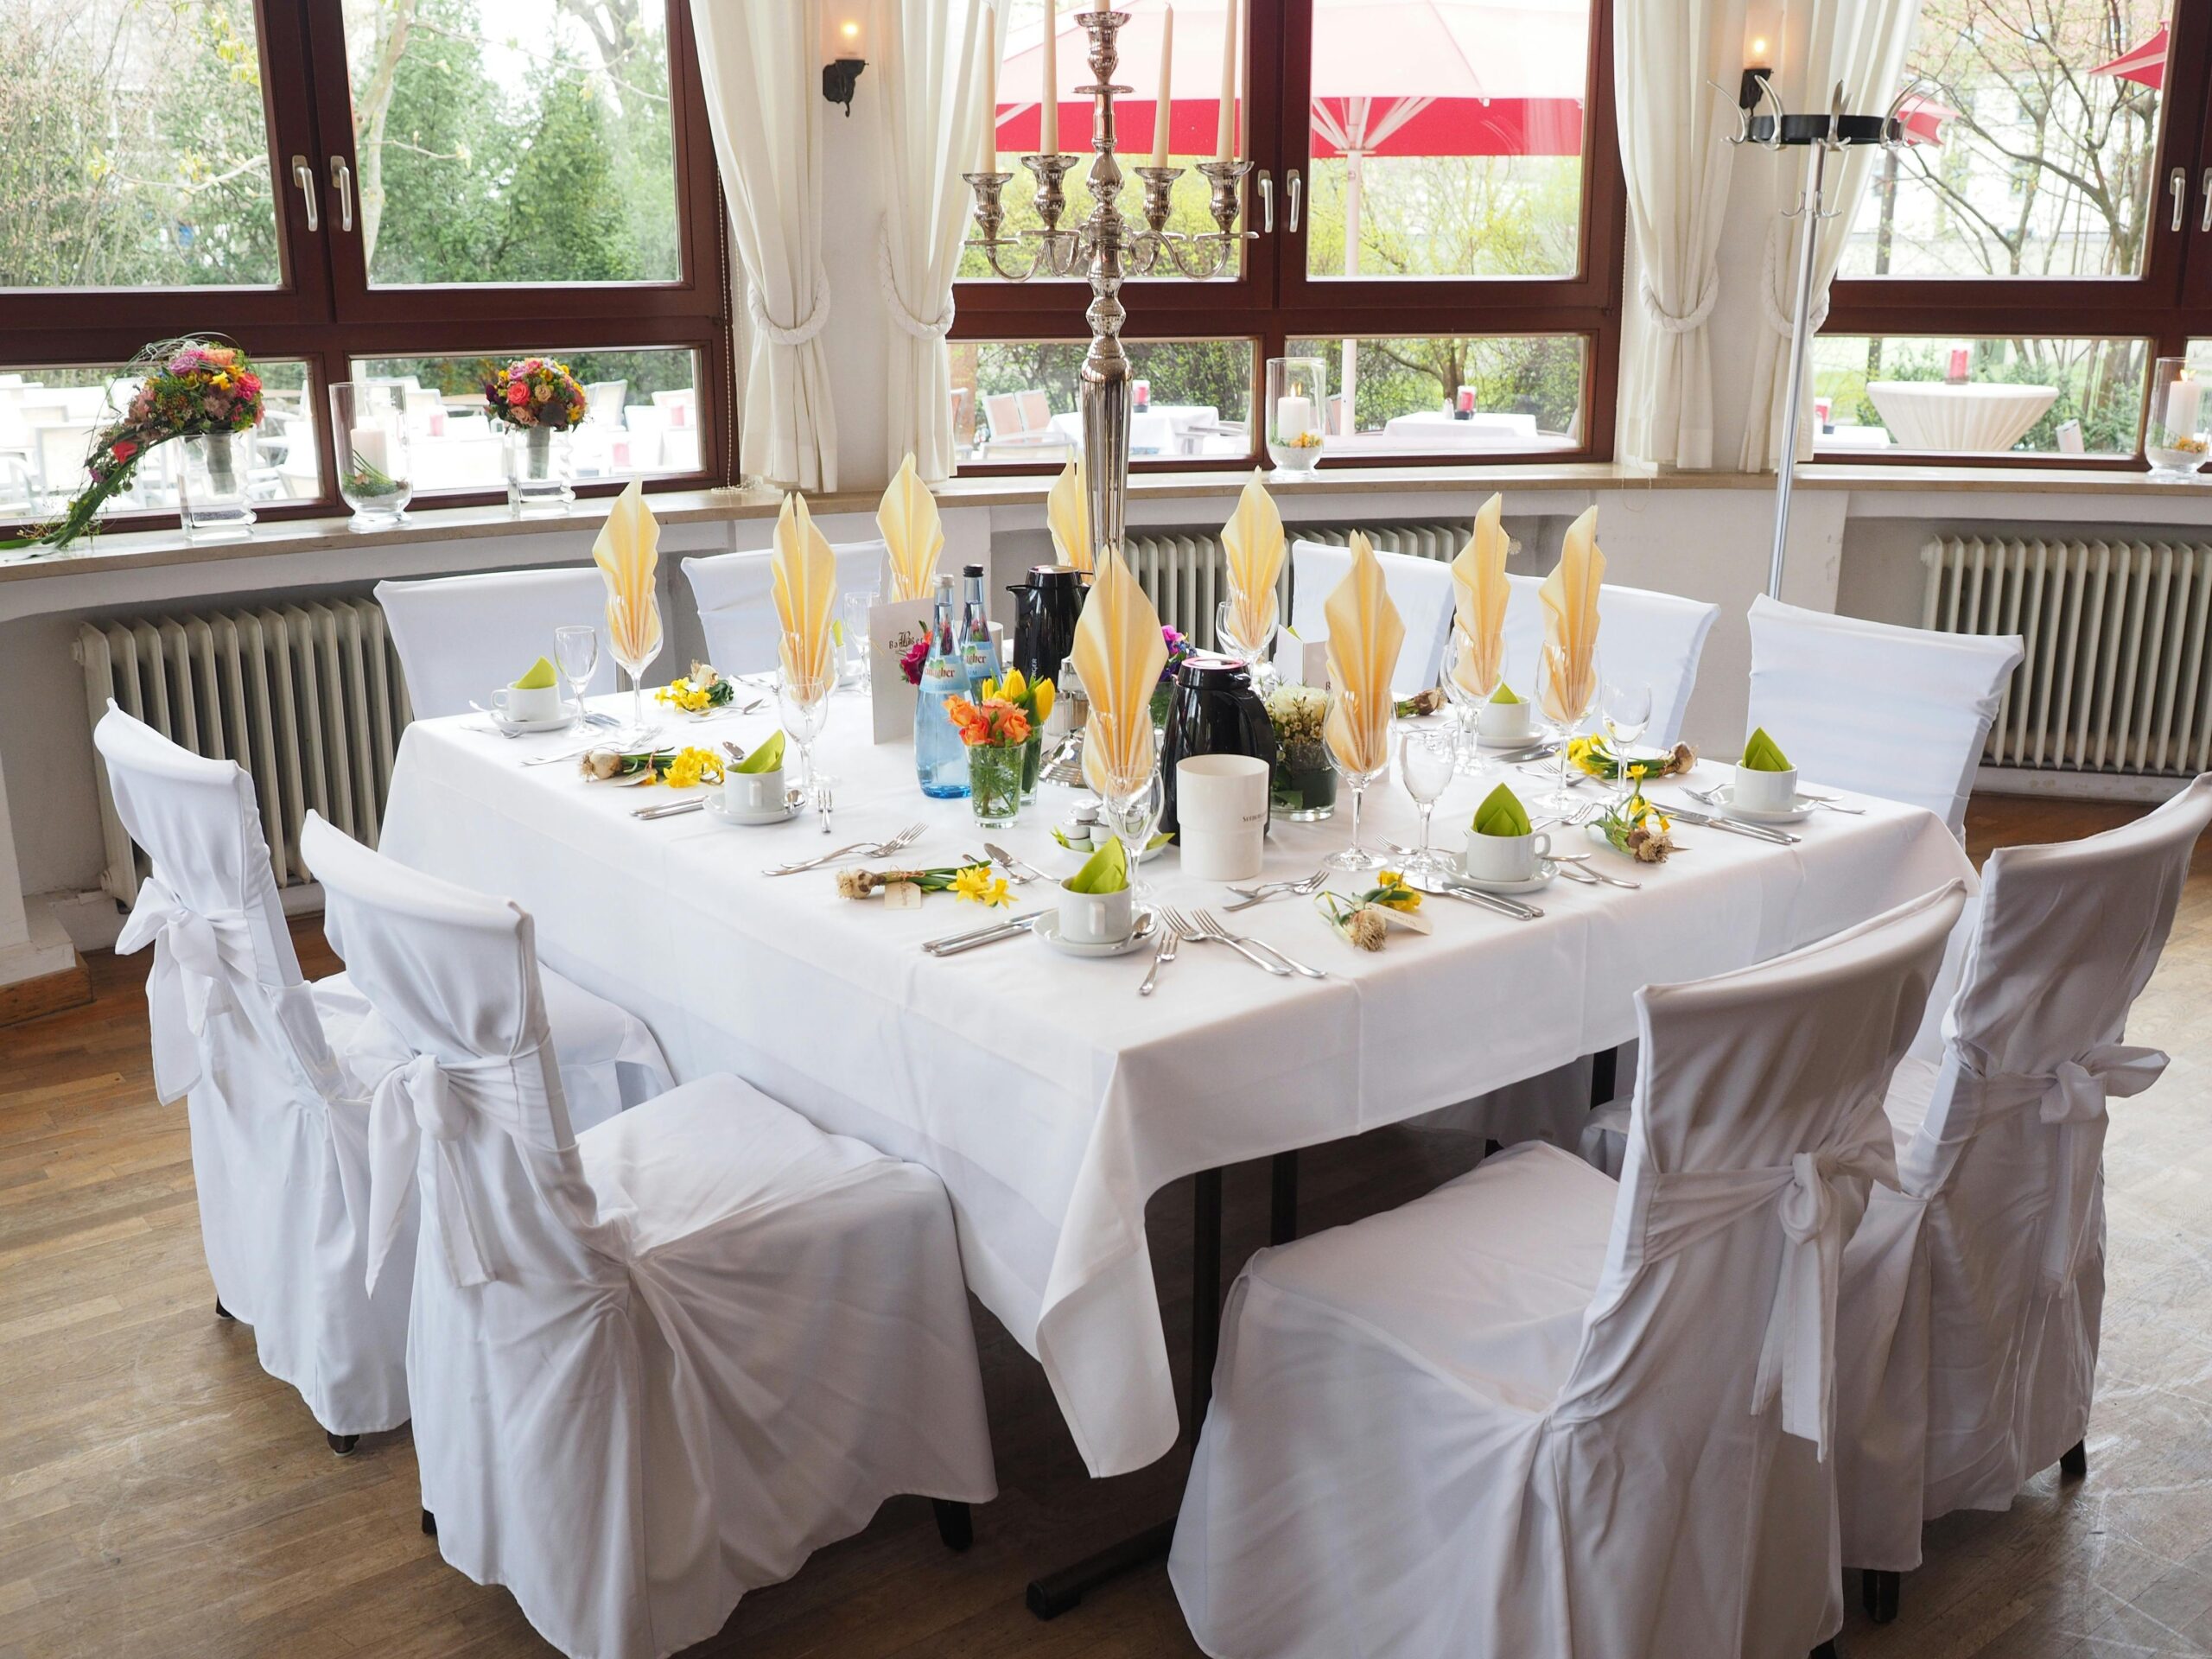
{"x": 124, "y": 450}
{"x": 517, "y": 395}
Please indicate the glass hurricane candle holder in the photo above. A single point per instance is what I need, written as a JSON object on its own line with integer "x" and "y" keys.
{"x": 2174, "y": 438}
{"x": 368, "y": 429}
{"x": 1297, "y": 403}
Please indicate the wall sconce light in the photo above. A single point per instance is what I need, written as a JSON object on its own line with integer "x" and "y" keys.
{"x": 841, "y": 75}
{"x": 1762, "y": 27}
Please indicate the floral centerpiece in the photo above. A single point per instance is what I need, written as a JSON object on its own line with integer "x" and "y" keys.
{"x": 1303, "y": 786}
{"x": 536, "y": 399}
{"x": 193, "y": 389}
{"x": 1179, "y": 648}
{"x": 997, "y": 736}
{"x": 1034, "y": 699}
{"x": 699, "y": 690}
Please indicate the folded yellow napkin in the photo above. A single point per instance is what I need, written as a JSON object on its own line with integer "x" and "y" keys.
{"x": 769, "y": 757}
{"x": 1253, "y": 540}
{"x": 627, "y": 552}
{"x": 1067, "y": 513}
{"x": 1118, "y": 656}
{"x": 1106, "y": 870}
{"x": 1365, "y": 634}
{"x": 805, "y": 572}
{"x": 1479, "y": 585}
{"x": 1500, "y": 814}
{"x": 1570, "y": 597}
{"x": 908, "y": 519}
{"x": 538, "y": 677}
{"x": 1763, "y": 753}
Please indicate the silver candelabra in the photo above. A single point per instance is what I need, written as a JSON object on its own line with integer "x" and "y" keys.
{"x": 1106, "y": 248}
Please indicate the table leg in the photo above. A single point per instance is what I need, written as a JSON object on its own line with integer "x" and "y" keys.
{"x": 1605, "y": 1066}
{"x": 1282, "y": 1197}
{"x": 1054, "y": 1593}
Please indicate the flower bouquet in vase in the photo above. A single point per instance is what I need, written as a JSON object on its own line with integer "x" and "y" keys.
{"x": 538, "y": 403}
{"x": 997, "y": 736}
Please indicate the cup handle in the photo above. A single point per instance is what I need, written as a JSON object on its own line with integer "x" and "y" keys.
{"x": 499, "y": 699}
{"x": 1543, "y": 844}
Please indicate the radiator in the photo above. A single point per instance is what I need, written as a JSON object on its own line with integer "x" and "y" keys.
{"x": 306, "y": 697}
{"x": 1185, "y": 573}
{"x": 2115, "y": 676}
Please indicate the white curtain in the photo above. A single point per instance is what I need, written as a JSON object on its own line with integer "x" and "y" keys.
{"x": 932, "y": 116}
{"x": 1860, "y": 44}
{"x": 762, "y": 67}
{"x": 1675, "y": 128}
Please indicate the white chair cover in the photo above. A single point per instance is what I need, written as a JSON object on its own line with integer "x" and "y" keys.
{"x": 1537, "y": 1413}
{"x": 1643, "y": 637}
{"x": 736, "y": 598}
{"x": 1420, "y": 589}
{"x": 278, "y": 1129}
{"x": 654, "y": 1366}
{"x": 1973, "y": 1293}
{"x": 1915, "y": 705}
{"x": 460, "y": 638}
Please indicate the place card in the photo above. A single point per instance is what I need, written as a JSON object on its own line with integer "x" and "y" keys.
{"x": 893, "y": 631}
{"x": 1302, "y": 662}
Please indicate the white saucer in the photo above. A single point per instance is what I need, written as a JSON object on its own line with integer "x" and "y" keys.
{"x": 1533, "y": 737}
{"x": 1047, "y": 928}
{"x": 559, "y": 722}
{"x": 1546, "y": 869}
{"x": 718, "y": 810}
{"x": 1726, "y": 796}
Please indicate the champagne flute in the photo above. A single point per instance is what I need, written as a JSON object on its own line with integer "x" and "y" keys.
{"x": 1625, "y": 707}
{"x": 1426, "y": 762}
{"x": 575, "y": 653}
{"x": 1567, "y": 690}
{"x": 1357, "y": 778}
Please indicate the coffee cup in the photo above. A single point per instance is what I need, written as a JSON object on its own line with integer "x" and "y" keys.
{"x": 753, "y": 794}
{"x": 1505, "y": 858}
{"x": 528, "y": 703}
{"x": 1221, "y": 816}
{"x": 1096, "y": 918}
{"x": 1506, "y": 722}
{"x": 1766, "y": 791}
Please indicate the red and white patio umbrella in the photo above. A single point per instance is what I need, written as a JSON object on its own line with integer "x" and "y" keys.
{"x": 2145, "y": 65}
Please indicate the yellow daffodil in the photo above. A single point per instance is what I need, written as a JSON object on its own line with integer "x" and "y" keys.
{"x": 1043, "y": 701}
{"x": 692, "y": 767}
{"x": 973, "y": 882}
{"x": 1391, "y": 892}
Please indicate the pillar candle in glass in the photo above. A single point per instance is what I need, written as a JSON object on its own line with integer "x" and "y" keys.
{"x": 2174, "y": 438}
{"x": 368, "y": 427}
{"x": 1298, "y": 397}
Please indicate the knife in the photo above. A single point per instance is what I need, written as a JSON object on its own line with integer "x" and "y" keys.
{"x": 1732, "y": 826}
{"x": 1448, "y": 888}
{"x": 955, "y": 943}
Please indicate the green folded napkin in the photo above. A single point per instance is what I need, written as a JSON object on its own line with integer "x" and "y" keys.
{"x": 1106, "y": 870}
{"x": 769, "y": 757}
{"x": 539, "y": 679}
{"x": 1504, "y": 694}
{"x": 1502, "y": 814}
{"x": 1763, "y": 753}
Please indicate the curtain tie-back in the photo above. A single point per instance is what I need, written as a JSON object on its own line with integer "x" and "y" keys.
{"x": 2071, "y": 1097}
{"x": 198, "y": 957}
{"x": 1670, "y": 324}
{"x": 901, "y": 313}
{"x": 1770, "y": 283}
{"x": 800, "y": 332}
{"x": 426, "y": 1096}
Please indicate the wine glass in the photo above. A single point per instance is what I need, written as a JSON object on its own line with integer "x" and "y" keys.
{"x": 1355, "y": 857}
{"x": 1625, "y": 707}
{"x": 857, "y": 606}
{"x": 576, "y": 651}
{"x": 1565, "y": 691}
{"x": 1253, "y": 653}
{"x": 1426, "y": 760}
{"x": 803, "y": 706}
{"x": 1133, "y": 815}
{"x": 641, "y": 732}
{"x": 1466, "y": 689}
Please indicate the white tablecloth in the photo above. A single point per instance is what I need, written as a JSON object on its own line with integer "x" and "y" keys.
{"x": 1976, "y": 418}
{"x": 1049, "y": 1097}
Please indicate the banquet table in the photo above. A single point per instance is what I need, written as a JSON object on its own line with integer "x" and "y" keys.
{"x": 1048, "y": 1096}
{"x": 1978, "y": 417}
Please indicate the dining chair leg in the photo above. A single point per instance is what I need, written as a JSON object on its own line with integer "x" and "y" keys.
{"x": 1826, "y": 1650}
{"x": 2074, "y": 1462}
{"x": 342, "y": 1444}
{"x": 955, "y": 1523}
{"x": 1282, "y": 1197}
{"x": 222, "y": 1312}
{"x": 1878, "y": 1593}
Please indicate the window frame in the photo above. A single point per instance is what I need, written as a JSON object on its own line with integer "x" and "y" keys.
{"x": 2165, "y": 306}
{"x": 323, "y": 312}
{"x": 1275, "y": 301}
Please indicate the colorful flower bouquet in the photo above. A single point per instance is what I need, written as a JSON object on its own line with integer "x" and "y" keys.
{"x": 997, "y": 736}
{"x": 1179, "y": 648}
{"x": 535, "y": 391}
{"x": 193, "y": 388}
{"x": 1303, "y": 786}
{"x": 1034, "y": 699}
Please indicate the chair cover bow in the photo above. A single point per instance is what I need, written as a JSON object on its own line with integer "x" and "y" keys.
{"x": 430, "y": 1096}
{"x": 1797, "y": 1353}
{"x": 198, "y": 957}
{"x": 2071, "y": 1098}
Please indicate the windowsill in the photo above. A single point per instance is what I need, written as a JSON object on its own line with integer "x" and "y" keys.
{"x": 128, "y": 550}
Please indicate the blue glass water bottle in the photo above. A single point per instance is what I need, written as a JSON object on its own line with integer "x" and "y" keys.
{"x": 940, "y": 757}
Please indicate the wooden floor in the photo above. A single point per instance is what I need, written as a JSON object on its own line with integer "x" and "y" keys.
{"x": 159, "y": 1494}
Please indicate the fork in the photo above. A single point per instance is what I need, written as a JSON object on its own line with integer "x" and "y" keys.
{"x": 1171, "y": 940}
{"x": 1209, "y": 926}
{"x": 1826, "y": 804}
{"x": 1021, "y": 873}
{"x": 1189, "y": 929}
{"x": 883, "y": 849}
{"x": 1261, "y": 894}
{"x": 822, "y": 803}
